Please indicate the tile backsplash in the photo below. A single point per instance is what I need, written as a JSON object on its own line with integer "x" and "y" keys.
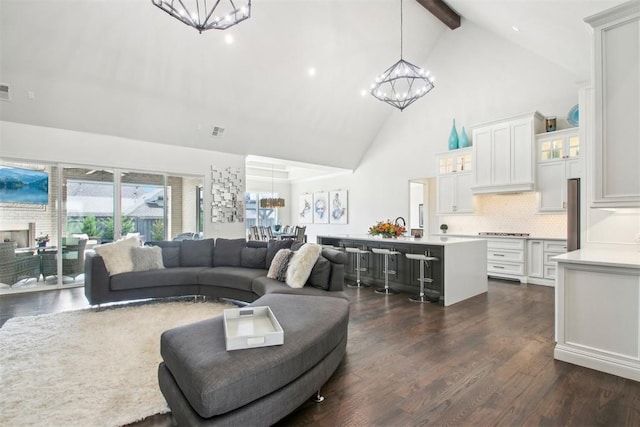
{"x": 507, "y": 213}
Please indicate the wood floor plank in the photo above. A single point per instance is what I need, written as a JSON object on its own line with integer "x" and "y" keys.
{"x": 484, "y": 361}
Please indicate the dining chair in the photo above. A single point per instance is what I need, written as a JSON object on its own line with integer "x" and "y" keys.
{"x": 300, "y": 236}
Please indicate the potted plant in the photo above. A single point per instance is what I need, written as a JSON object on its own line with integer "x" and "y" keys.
{"x": 42, "y": 240}
{"x": 444, "y": 228}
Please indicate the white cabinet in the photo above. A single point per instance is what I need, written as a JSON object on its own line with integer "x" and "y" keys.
{"x": 616, "y": 155}
{"x": 454, "y": 182}
{"x": 598, "y": 311}
{"x": 541, "y": 269}
{"x": 558, "y": 160}
{"x": 504, "y": 154}
{"x": 505, "y": 258}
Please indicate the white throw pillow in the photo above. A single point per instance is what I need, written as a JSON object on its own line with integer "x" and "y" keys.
{"x": 147, "y": 258}
{"x": 301, "y": 264}
{"x": 117, "y": 255}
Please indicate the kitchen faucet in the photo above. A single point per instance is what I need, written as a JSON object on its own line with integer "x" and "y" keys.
{"x": 404, "y": 223}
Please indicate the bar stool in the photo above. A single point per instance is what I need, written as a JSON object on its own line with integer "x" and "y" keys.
{"x": 386, "y": 253}
{"x": 357, "y": 253}
{"x": 424, "y": 261}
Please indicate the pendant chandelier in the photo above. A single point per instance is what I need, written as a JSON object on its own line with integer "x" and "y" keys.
{"x": 207, "y": 14}
{"x": 272, "y": 202}
{"x": 403, "y": 83}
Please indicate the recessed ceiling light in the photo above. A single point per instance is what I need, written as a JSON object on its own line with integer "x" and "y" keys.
{"x": 363, "y": 92}
{"x": 516, "y": 29}
{"x": 228, "y": 38}
{"x": 312, "y": 71}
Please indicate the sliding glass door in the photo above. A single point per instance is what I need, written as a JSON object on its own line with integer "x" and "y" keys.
{"x": 44, "y": 237}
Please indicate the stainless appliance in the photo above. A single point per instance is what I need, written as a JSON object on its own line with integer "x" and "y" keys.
{"x": 573, "y": 214}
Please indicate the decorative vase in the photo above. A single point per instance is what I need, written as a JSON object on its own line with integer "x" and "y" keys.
{"x": 463, "y": 139}
{"x": 453, "y": 137}
{"x": 42, "y": 244}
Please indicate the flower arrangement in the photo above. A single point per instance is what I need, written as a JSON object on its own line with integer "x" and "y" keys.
{"x": 387, "y": 229}
{"x": 42, "y": 240}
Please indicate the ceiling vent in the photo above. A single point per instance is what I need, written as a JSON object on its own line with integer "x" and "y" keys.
{"x": 4, "y": 92}
{"x": 217, "y": 131}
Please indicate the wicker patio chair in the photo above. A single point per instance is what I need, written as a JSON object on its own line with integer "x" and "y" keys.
{"x": 17, "y": 267}
{"x": 72, "y": 260}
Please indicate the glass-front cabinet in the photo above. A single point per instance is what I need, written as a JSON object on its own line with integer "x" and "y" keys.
{"x": 455, "y": 161}
{"x": 562, "y": 144}
{"x": 454, "y": 182}
{"x": 558, "y": 160}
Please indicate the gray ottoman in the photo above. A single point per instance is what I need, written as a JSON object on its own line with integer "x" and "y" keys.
{"x": 206, "y": 385}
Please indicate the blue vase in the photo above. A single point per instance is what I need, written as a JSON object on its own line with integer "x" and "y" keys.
{"x": 463, "y": 139}
{"x": 453, "y": 137}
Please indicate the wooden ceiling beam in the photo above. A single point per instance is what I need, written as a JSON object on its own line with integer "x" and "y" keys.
{"x": 442, "y": 11}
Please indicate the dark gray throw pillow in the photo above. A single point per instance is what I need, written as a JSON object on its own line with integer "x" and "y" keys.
{"x": 273, "y": 247}
{"x": 196, "y": 253}
{"x": 171, "y": 256}
{"x": 228, "y": 252}
{"x": 253, "y": 257}
{"x": 170, "y": 251}
{"x": 296, "y": 245}
{"x": 320, "y": 274}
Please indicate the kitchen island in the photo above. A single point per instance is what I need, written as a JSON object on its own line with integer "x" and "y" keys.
{"x": 598, "y": 310}
{"x": 459, "y": 273}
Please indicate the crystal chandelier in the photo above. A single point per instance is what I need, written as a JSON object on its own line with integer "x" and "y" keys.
{"x": 403, "y": 83}
{"x": 207, "y": 14}
{"x": 272, "y": 202}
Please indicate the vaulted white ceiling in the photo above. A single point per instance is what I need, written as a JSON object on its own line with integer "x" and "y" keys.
{"x": 125, "y": 68}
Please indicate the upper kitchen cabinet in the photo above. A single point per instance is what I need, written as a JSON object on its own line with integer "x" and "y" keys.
{"x": 616, "y": 154}
{"x": 504, "y": 154}
{"x": 558, "y": 160}
{"x": 454, "y": 182}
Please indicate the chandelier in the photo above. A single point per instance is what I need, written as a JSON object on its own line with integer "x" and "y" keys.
{"x": 272, "y": 202}
{"x": 207, "y": 14}
{"x": 403, "y": 83}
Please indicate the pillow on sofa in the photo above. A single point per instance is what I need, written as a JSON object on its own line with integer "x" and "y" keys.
{"x": 147, "y": 258}
{"x": 320, "y": 274}
{"x": 301, "y": 264}
{"x": 296, "y": 245}
{"x": 280, "y": 264}
{"x": 196, "y": 253}
{"x": 170, "y": 251}
{"x": 117, "y": 255}
{"x": 171, "y": 256}
{"x": 227, "y": 252}
{"x": 253, "y": 257}
{"x": 274, "y": 246}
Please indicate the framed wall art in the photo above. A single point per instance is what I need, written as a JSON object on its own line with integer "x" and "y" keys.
{"x": 305, "y": 209}
{"x": 321, "y": 208}
{"x": 338, "y": 207}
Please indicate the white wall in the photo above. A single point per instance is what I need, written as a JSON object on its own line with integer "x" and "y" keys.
{"x": 35, "y": 143}
{"x": 480, "y": 77}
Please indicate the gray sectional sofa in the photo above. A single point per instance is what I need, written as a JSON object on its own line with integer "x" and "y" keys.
{"x": 224, "y": 268}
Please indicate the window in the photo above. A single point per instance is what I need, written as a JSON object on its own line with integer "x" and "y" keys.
{"x": 255, "y": 215}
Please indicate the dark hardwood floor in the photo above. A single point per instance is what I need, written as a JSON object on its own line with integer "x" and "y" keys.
{"x": 484, "y": 361}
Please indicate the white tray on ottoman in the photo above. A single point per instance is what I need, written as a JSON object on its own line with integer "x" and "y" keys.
{"x": 251, "y": 327}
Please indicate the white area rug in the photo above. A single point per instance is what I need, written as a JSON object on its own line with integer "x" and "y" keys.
{"x": 88, "y": 367}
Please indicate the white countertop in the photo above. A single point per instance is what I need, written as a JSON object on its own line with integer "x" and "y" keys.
{"x": 609, "y": 258}
{"x": 433, "y": 240}
{"x": 477, "y": 236}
